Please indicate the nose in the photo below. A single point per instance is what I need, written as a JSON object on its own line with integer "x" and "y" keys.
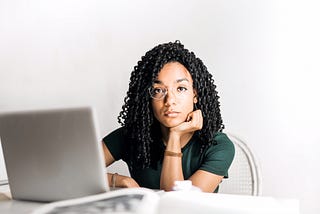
{"x": 170, "y": 98}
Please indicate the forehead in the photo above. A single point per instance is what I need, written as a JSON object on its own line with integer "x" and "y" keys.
{"x": 173, "y": 72}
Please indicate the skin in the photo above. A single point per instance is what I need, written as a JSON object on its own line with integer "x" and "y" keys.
{"x": 178, "y": 122}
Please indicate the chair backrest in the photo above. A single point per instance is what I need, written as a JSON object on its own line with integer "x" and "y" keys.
{"x": 244, "y": 173}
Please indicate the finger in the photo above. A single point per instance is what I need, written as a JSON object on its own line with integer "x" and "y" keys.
{"x": 192, "y": 122}
{"x": 198, "y": 119}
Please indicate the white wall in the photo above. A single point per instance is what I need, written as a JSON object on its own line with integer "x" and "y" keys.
{"x": 264, "y": 56}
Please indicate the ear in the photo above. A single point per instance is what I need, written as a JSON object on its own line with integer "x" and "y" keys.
{"x": 195, "y": 99}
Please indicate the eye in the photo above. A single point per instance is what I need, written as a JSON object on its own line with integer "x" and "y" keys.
{"x": 181, "y": 89}
{"x": 158, "y": 90}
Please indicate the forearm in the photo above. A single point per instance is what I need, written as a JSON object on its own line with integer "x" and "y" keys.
{"x": 171, "y": 166}
{"x": 109, "y": 177}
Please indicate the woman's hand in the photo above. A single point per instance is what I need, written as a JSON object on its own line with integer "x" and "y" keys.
{"x": 125, "y": 181}
{"x": 193, "y": 123}
{"x": 122, "y": 181}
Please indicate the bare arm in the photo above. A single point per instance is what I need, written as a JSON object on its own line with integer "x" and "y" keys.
{"x": 172, "y": 165}
{"x": 178, "y": 137}
{"x": 206, "y": 181}
{"x": 120, "y": 180}
{"x": 108, "y": 158}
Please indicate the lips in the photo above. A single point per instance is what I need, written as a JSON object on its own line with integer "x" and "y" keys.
{"x": 171, "y": 113}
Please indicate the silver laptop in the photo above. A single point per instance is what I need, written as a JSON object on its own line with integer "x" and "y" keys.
{"x": 52, "y": 154}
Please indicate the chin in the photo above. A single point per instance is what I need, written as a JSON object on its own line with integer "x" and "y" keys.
{"x": 172, "y": 122}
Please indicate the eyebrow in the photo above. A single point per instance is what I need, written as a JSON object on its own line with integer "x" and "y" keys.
{"x": 177, "y": 81}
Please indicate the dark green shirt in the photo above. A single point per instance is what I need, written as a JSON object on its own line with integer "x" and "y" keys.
{"x": 216, "y": 158}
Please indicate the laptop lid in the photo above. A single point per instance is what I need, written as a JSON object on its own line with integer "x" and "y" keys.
{"x": 52, "y": 154}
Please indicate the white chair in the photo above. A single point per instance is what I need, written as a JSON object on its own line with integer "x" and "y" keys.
{"x": 244, "y": 173}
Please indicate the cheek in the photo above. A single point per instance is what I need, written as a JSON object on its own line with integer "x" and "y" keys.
{"x": 189, "y": 104}
{"x": 156, "y": 109}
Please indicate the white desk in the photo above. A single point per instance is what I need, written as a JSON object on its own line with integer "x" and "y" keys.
{"x": 7, "y": 205}
{"x": 180, "y": 202}
{"x": 184, "y": 203}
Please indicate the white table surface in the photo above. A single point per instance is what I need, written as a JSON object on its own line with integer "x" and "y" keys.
{"x": 184, "y": 202}
{"x": 7, "y": 205}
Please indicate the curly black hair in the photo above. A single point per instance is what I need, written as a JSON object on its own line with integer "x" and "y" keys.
{"x": 140, "y": 127}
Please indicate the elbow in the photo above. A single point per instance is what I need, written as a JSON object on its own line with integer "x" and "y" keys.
{"x": 167, "y": 187}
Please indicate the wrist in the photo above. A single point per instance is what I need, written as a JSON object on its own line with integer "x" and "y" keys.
{"x": 173, "y": 143}
{"x": 172, "y": 154}
{"x": 114, "y": 180}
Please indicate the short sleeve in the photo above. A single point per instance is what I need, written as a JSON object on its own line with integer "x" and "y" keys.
{"x": 218, "y": 157}
{"x": 115, "y": 142}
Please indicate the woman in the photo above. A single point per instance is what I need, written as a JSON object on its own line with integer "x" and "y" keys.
{"x": 171, "y": 124}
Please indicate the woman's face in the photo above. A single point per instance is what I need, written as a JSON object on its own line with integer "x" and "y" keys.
{"x": 175, "y": 81}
